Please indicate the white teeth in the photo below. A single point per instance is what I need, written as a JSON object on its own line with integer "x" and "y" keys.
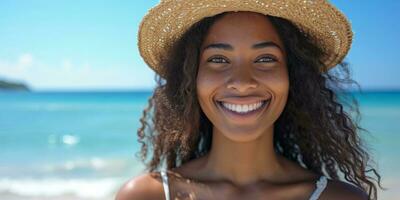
{"x": 242, "y": 108}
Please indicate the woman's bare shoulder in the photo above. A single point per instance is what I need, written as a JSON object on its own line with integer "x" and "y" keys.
{"x": 341, "y": 190}
{"x": 144, "y": 187}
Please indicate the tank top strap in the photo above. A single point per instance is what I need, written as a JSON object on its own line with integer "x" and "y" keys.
{"x": 320, "y": 187}
{"x": 164, "y": 177}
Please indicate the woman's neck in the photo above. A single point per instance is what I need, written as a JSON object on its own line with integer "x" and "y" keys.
{"x": 244, "y": 163}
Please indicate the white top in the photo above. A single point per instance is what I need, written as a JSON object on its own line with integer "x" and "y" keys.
{"x": 320, "y": 186}
{"x": 165, "y": 184}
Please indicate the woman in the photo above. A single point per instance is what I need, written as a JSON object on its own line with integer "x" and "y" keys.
{"x": 245, "y": 106}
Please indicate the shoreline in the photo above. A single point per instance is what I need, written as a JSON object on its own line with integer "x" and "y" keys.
{"x": 11, "y": 196}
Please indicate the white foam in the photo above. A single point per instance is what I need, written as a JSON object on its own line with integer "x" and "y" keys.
{"x": 84, "y": 188}
{"x": 95, "y": 164}
{"x": 67, "y": 139}
{"x": 70, "y": 139}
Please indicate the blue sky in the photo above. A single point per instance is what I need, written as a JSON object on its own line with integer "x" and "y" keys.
{"x": 92, "y": 44}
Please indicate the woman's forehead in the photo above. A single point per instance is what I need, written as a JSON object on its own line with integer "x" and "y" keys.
{"x": 238, "y": 28}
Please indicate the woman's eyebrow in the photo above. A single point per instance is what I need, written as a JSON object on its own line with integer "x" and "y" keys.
{"x": 229, "y": 47}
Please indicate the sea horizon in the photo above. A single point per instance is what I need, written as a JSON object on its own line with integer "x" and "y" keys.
{"x": 112, "y": 90}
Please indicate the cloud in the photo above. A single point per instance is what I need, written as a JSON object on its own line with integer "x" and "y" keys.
{"x": 25, "y": 60}
{"x": 72, "y": 74}
{"x": 66, "y": 65}
{"x": 14, "y": 69}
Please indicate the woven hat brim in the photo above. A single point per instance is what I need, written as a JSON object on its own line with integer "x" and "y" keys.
{"x": 318, "y": 19}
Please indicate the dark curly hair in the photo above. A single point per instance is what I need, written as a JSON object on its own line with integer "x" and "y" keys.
{"x": 314, "y": 129}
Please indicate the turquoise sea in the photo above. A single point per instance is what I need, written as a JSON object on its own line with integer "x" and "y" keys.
{"x": 82, "y": 144}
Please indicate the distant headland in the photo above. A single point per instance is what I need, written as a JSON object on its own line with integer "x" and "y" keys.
{"x": 13, "y": 86}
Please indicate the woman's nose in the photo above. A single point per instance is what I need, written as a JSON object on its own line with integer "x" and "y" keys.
{"x": 241, "y": 79}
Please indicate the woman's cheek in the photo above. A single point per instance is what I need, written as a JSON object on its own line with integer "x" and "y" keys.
{"x": 209, "y": 79}
{"x": 277, "y": 79}
{"x": 208, "y": 83}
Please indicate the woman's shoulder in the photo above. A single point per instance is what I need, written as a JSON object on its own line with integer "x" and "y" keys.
{"x": 143, "y": 187}
{"x": 337, "y": 189}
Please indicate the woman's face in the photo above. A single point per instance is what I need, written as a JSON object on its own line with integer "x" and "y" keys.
{"x": 242, "y": 82}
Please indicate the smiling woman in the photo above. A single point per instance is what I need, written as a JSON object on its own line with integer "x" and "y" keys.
{"x": 245, "y": 106}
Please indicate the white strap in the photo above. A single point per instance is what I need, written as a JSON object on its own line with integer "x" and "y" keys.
{"x": 165, "y": 184}
{"x": 321, "y": 185}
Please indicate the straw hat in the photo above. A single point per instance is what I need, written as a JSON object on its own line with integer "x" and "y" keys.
{"x": 170, "y": 19}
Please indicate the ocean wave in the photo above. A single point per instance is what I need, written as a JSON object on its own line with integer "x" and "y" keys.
{"x": 83, "y": 188}
{"x": 63, "y": 106}
{"x": 87, "y": 168}
{"x": 67, "y": 139}
{"x": 95, "y": 164}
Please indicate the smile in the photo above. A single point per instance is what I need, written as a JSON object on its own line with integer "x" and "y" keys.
{"x": 244, "y": 109}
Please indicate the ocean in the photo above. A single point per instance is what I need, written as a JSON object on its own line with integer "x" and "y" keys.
{"x": 82, "y": 145}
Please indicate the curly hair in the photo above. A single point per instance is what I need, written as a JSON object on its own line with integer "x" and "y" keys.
{"x": 315, "y": 129}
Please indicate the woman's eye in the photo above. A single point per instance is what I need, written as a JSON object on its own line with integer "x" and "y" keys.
{"x": 217, "y": 60}
{"x": 223, "y": 60}
{"x": 266, "y": 59}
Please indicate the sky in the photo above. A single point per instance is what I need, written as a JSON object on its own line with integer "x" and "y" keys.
{"x": 92, "y": 44}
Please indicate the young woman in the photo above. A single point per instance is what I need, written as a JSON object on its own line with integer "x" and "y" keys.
{"x": 245, "y": 106}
